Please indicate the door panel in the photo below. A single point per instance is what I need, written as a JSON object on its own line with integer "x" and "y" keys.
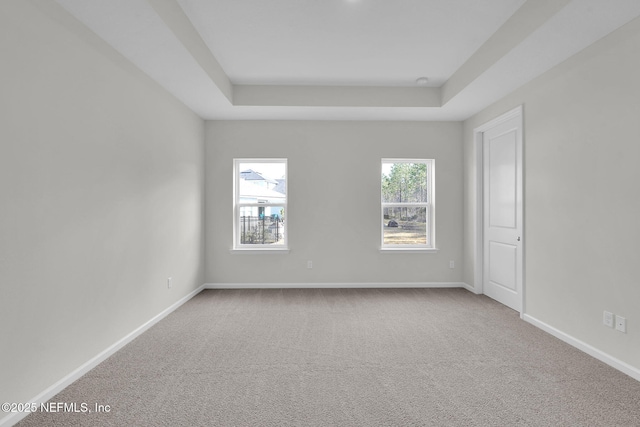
{"x": 502, "y": 181}
{"x": 502, "y": 262}
{"x": 502, "y": 200}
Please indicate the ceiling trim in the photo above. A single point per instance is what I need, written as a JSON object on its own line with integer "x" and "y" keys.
{"x": 529, "y": 17}
{"x": 335, "y": 96}
{"x": 174, "y": 17}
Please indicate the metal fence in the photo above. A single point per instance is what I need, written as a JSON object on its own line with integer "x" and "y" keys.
{"x": 262, "y": 230}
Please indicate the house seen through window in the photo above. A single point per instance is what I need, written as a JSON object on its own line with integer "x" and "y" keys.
{"x": 260, "y": 203}
{"x": 407, "y": 204}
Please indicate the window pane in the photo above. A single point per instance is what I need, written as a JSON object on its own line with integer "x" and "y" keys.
{"x": 261, "y": 225}
{"x": 262, "y": 182}
{"x": 404, "y": 182}
{"x": 404, "y": 226}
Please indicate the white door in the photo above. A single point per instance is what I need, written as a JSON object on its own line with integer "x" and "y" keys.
{"x": 502, "y": 252}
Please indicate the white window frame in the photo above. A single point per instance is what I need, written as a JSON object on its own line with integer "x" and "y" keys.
{"x": 430, "y": 206}
{"x": 237, "y": 205}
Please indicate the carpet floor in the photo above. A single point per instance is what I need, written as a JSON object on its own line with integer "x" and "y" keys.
{"x": 348, "y": 357}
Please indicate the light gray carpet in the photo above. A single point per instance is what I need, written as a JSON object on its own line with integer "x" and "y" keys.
{"x": 357, "y": 357}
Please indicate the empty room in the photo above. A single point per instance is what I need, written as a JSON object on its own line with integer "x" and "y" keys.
{"x": 338, "y": 212}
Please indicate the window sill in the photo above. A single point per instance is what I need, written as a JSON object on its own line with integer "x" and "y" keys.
{"x": 273, "y": 251}
{"x": 408, "y": 250}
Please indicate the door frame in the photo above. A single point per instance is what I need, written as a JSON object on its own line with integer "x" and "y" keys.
{"x": 478, "y": 135}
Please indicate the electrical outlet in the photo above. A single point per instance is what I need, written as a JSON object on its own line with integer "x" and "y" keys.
{"x": 452, "y": 264}
{"x": 309, "y": 264}
{"x": 169, "y": 282}
{"x": 607, "y": 319}
{"x": 621, "y": 324}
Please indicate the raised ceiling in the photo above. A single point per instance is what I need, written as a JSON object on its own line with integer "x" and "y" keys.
{"x": 347, "y": 59}
{"x": 339, "y": 42}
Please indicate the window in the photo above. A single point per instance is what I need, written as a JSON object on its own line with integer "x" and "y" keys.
{"x": 260, "y": 204}
{"x": 408, "y": 204}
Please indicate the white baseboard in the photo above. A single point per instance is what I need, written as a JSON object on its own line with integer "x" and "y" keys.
{"x": 56, "y": 388}
{"x": 334, "y": 285}
{"x": 621, "y": 366}
{"x": 471, "y": 288}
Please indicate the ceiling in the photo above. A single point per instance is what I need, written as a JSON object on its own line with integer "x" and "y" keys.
{"x": 347, "y": 59}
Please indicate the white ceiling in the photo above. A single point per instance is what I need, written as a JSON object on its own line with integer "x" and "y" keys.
{"x": 339, "y": 42}
{"x": 347, "y": 59}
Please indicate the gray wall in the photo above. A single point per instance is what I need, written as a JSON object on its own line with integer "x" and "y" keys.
{"x": 334, "y": 200}
{"x": 101, "y": 183}
{"x": 581, "y": 176}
